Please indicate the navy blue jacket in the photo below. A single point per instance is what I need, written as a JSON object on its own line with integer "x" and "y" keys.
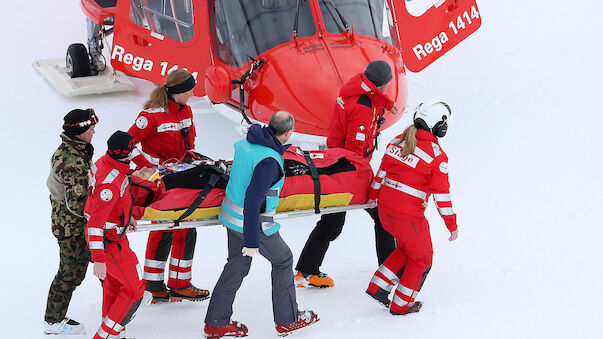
{"x": 266, "y": 173}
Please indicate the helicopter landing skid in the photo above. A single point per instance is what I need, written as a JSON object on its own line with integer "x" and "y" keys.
{"x": 109, "y": 81}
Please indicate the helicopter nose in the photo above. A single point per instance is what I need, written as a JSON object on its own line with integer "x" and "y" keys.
{"x": 305, "y": 79}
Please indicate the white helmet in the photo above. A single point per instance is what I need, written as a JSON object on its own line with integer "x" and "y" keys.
{"x": 433, "y": 117}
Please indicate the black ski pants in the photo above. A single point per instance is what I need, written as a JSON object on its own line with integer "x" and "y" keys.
{"x": 327, "y": 229}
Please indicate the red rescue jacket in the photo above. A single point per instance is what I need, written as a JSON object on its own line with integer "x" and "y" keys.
{"x": 405, "y": 183}
{"x": 354, "y": 123}
{"x": 159, "y": 134}
{"x": 109, "y": 205}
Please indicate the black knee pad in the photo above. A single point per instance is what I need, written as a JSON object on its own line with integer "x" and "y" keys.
{"x": 131, "y": 313}
{"x": 189, "y": 244}
{"x": 164, "y": 247}
{"x": 424, "y": 277}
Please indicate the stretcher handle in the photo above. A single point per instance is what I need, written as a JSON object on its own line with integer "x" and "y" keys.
{"x": 167, "y": 225}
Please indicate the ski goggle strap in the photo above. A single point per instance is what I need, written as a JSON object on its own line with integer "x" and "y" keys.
{"x": 92, "y": 120}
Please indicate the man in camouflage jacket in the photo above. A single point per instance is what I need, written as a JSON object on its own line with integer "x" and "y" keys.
{"x": 68, "y": 185}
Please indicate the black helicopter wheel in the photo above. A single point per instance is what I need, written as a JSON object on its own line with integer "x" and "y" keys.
{"x": 77, "y": 61}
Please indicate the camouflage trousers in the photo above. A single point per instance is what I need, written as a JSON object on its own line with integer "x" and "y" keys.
{"x": 74, "y": 257}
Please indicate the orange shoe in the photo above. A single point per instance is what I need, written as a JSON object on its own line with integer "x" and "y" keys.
{"x": 317, "y": 280}
{"x": 189, "y": 292}
{"x": 161, "y": 296}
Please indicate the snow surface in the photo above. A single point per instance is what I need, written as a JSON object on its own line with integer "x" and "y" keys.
{"x": 524, "y": 174}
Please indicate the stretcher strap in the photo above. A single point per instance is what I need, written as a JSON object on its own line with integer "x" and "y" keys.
{"x": 316, "y": 179}
{"x": 150, "y": 196}
{"x": 213, "y": 180}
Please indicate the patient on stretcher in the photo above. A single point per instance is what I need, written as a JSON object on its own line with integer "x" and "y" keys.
{"x": 313, "y": 180}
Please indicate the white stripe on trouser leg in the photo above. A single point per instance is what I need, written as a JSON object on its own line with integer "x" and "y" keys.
{"x": 399, "y": 301}
{"x": 381, "y": 283}
{"x": 113, "y": 325}
{"x": 181, "y": 262}
{"x": 154, "y": 263}
{"x": 388, "y": 274}
{"x": 101, "y": 333}
{"x": 180, "y": 275}
{"x": 109, "y": 323}
{"x": 152, "y": 276}
{"x": 407, "y": 291}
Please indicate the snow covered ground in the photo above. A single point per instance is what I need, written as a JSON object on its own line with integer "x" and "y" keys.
{"x": 524, "y": 174}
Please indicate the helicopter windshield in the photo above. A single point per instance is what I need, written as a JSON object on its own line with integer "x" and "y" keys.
{"x": 367, "y": 17}
{"x": 245, "y": 28}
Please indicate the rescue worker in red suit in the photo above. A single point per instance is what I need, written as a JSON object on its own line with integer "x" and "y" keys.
{"x": 166, "y": 133}
{"x": 355, "y": 125}
{"x": 109, "y": 212}
{"x": 413, "y": 168}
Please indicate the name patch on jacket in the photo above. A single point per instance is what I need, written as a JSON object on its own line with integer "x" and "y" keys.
{"x": 175, "y": 126}
{"x": 396, "y": 153}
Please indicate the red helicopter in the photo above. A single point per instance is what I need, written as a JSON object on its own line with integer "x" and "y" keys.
{"x": 261, "y": 56}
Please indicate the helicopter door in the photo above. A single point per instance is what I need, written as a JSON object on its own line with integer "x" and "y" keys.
{"x": 154, "y": 37}
{"x": 425, "y": 38}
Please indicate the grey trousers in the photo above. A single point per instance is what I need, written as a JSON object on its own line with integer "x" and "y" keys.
{"x": 275, "y": 250}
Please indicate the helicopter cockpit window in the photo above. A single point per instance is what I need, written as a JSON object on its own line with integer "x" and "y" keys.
{"x": 247, "y": 28}
{"x": 369, "y": 17}
{"x": 171, "y": 18}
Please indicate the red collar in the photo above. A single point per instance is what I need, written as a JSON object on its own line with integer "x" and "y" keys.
{"x": 118, "y": 165}
{"x": 175, "y": 107}
{"x": 424, "y": 135}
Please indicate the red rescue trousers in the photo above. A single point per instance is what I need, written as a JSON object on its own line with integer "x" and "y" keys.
{"x": 409, "y": 263}
{"x": 122, "y": 289}
{"x": 182, "y": 244}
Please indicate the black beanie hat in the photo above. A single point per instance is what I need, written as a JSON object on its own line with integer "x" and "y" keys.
{"x": 378, "y": 72}
{"x": 78, "y": 121}
{"x": 120, "y": 145}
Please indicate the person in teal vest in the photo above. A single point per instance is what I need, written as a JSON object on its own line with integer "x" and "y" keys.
{"x": 248, "y": 210}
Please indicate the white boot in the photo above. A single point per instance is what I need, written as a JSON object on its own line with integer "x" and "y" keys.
{"x": 67, "y": 326}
